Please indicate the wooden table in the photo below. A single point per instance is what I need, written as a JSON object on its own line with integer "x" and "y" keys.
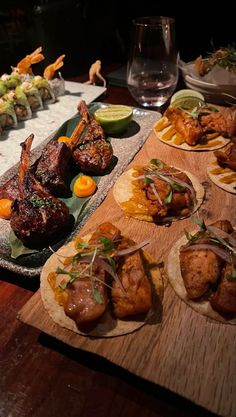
{"x": 42, "y": 377}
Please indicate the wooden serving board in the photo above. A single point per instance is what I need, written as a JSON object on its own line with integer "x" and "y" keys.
{"x": 187, "y": 353}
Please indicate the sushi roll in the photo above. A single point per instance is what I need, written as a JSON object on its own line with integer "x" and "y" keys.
{"x": 12, "y": 80}
{"x": 20, "y": 103}
{"x": 8, "y": 117}
{"x": 32, "y": 94}
{"x": 3, "y": 88}
{"x": 58, "y": 85}
{"x": 44, "y": 88}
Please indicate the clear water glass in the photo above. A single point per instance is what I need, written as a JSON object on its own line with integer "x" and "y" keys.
{"x": 152, "y": 71}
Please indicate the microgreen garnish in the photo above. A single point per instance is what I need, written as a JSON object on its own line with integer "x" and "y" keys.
{"x": 199, "y": 222}
{"x": 168, "y": 197}
{"x": 147, "y": 180}
{"x": 157, "y": 162}
{"x": 97, "y": 296}
{"x": 82, "y": 245}
{"x": 108, "y": 244}
{"x": 177, "y": 187}
{"x": 73, "y": 276}
{"x": 190, "y": 238}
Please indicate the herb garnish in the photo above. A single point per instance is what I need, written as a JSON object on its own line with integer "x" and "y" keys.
{"x": 157, "y": 162}
{"x": 168, "y": 197}
{"x": 232, "y": 277}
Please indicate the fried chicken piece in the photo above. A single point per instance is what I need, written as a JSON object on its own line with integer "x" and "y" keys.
{"x": 223, "y": 122}
{"x": 181, "y": 201}
{"x": 200, "y": 269}
{"x": 136, "y": 296}
{"x": 227, "y": 158}
{"x": 224, "y": 299}
{"x": 188, "y": 127}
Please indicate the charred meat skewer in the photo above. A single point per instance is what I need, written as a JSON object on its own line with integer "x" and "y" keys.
{"x": 37, "y": 216}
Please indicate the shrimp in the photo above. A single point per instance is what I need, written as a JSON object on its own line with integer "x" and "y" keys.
{"x": 24, "y": 66}
{"x": 50, "y": 70}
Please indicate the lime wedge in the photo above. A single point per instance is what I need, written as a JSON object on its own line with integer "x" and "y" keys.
{"x": 188, "y": 103}
{"x": 186, "y": 93}
{"x": 114, "y": 119}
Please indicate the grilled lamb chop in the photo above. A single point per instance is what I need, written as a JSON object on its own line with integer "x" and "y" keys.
{"x": 37, "y": 216}
{"x": 51, "y": 168}
{"x": 92, "y": 154}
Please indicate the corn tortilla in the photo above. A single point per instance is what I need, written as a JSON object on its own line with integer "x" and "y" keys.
{"x": 108, "y": 325}
{"x": 177, "y": 283}
{"x": 123, "y": 191}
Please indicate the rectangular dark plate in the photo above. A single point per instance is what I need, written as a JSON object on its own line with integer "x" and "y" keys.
{"x": 124, "y": 148}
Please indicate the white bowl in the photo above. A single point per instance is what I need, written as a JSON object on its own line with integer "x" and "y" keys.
{"x": 223, "y": 92}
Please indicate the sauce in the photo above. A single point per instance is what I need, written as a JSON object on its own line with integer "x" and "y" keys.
{"x": 61, "y": 296}
{"x": 169, "y": 133}
{"x": 209, "y": 145}
{"x": 228, "y": 179}
{"x": 162, "y": 124}
{"x": 178, "y": 140}
{"x": 220, "y": 170}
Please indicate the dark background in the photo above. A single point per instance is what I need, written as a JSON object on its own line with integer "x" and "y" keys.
{"x": 87, "y": 30}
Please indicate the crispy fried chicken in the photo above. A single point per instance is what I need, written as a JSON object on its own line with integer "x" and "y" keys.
{"x": 206, "y": 274}
{"x": 227, "y": 157}
{"x": 188, "y": 127}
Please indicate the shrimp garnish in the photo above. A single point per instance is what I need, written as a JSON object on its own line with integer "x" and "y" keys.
{"x": 51, "y": 69}
{"x": 24, "y": 66}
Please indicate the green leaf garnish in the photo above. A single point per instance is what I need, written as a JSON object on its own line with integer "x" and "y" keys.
{"x": 73, "y": 276}
{"x": 112, "y": 263}
{"x": 157, "y": 162}
{"x": 199, "y": 222}
{"x": 177, "y": 187}
{"x": 190, "y": 238}
{"x": 108, "y": 244}
{"x": 147, "y": 180}
{"x": 82, "y": 245}
{"x": 168, "y": 197}
{"x": 97, "y": 296}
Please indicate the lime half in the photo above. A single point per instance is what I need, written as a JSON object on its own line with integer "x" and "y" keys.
{"x": 188, "y": 103}
{"x": 114, "y": 119}
{"x": 181, "y": 94}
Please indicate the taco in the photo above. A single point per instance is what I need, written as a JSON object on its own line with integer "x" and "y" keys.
{"x": 192, "y": 125}
{"x": 201, "y": 268}
{"x": 102, "y": 285}
{"x": 158, "y": 193}
{"x": 222, "y": 169}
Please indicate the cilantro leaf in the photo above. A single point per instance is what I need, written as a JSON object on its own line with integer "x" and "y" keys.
{"x": 199, "y": 222}
{"x": 168, "y": 197}
{"x": 97, "y": 296}
{"x": 108, "y": 244}
{"x": 147, "y": 180}
{"x": 157, "y": 162}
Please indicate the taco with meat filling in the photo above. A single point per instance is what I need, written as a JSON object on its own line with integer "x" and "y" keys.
{"x": 158, "y": 193}
{"x": 201, "y": 269}
{"x": 222, "y": 169}
{"x": 102, "y": 285}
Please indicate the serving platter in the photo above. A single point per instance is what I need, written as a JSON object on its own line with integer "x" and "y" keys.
{"x": 124, "y": 148}
{"x": 187, "y": 353}
{"x": 44, "y": 122}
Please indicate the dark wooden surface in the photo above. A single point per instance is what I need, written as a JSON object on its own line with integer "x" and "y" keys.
{"x": 42, "y": 377}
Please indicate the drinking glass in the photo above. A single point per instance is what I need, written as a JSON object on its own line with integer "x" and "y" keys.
{"x": 152, "y": 71}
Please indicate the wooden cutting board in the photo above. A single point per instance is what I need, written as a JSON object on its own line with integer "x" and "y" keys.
{"x": 187, "y": 353}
